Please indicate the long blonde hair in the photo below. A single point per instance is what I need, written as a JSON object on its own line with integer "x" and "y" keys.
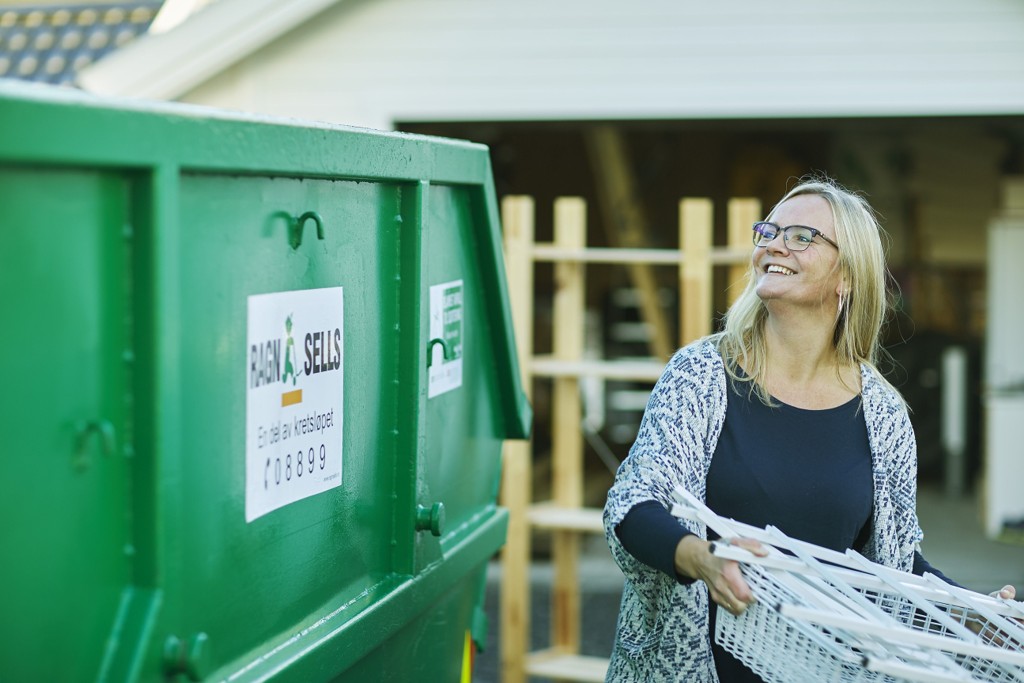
{"x": 864, "y": 304}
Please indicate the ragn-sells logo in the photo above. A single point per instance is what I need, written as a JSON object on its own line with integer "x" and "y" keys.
{"x": 274, "y": 361}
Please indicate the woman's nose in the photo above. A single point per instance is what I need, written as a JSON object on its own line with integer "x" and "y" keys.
{"x": 777, "y": 243}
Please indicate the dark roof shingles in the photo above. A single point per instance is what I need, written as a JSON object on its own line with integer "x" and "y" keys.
{"x": 50, "y": 44}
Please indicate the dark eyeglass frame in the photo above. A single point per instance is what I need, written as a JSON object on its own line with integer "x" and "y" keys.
{"x": 796, "y": 246}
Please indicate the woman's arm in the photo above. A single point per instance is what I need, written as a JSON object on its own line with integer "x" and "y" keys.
{"x": 653, "y": 536}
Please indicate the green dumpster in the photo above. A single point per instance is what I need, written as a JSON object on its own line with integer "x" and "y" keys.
{"x": 256, "y": 378}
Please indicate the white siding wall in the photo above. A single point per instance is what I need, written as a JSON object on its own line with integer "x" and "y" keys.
{"x": 375, "y": 62}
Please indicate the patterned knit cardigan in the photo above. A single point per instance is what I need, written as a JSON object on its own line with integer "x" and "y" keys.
{"x": 662, "y": 632}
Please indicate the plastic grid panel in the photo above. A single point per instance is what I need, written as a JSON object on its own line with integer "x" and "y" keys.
{"x": 824, "y": 616}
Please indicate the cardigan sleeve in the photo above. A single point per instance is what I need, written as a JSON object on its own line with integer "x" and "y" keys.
{"x": 673, "y": 446}
{"x": 650, "y": 534}
{"x": 896, "y": 533}
{"x": 903, "y": 477}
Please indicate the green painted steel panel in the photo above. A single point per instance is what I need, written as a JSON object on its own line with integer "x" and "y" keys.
{"x": 321, "y": 548}
{"x": 176, "y": 342}
{"x": 450, "y": 245}
{"x": 64, "y": 492}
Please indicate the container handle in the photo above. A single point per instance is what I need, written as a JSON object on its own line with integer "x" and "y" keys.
{"x": 430, "y": 350}
{"x": 296, "y": 224}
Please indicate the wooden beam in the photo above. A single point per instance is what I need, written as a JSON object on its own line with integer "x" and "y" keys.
{"x": 553, "y": 517}
{"x": 629, "y": 370}
{"x": 544, "y": 251}
{"x": 566, "y": 418}
{"x": 517, "y": 215}
{"x": 742, "y": 213}
{"x": 695, "y": 230}
{"x": 625, "y": 226}
{"x": 556, "y": 665}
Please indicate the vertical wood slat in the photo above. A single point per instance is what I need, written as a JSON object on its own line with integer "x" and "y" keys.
{"x": 517, "y": 217}
{"x": 567, "y": 437}
{"x": 695, "y": 231}
{"x": 742, "y": 213}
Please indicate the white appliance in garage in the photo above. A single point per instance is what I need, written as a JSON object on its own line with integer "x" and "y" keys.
{"x": 1004, "y": 367}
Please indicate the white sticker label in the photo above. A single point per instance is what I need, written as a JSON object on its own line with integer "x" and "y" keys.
{"x": 293, "y": 398}
{"x": 445, "y": 371}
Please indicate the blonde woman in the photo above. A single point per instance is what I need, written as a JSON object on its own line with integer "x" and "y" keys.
{"x": 782, "y": 418}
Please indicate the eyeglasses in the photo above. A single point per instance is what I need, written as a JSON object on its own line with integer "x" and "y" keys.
{"x": 796, "y": 237}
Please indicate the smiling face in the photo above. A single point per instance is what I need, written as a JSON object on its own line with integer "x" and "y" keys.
{"x": 807, "y": 278}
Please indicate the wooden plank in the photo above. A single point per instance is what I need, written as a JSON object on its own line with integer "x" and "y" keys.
{"x": 742, "y": 213}
{"x": 550, "y": 516}
{"x": 566, "y": 667}
{"x": 518, "y": 222}
{"x": 695, "y": 230}
{"x": 731, "y": 256}
{"x": 517, "y": 217}
{"x": 566, "y": 418}
{"x": 657, "y": 257}
{"x": 514, "y": 599}
{"x": 625, "y": 226}
{"x": 550, "y": 366}
{"x": 567, "y": 342}
{"x": 551, "y": 252}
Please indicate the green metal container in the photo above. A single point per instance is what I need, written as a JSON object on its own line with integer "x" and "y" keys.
{"x": 256, "y": 375}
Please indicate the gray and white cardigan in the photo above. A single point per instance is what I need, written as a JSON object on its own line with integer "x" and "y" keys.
{"x": 662, "y": 632}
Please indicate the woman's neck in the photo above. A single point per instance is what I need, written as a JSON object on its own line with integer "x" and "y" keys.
{"x": 802, "y": 366}
{"x": 800, "y": 348}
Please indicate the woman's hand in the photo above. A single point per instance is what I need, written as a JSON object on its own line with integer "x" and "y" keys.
{"x": 1006, "y": 593}
{"x": 725, "y": 583}
{"x": 989, "y": 632}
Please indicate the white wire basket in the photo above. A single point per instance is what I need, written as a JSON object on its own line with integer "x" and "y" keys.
{"x": 822, "y": 616}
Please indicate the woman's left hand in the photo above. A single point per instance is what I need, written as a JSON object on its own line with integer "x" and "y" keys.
{"x": 1007, "y": 592}
{"x": 989, "y": 632}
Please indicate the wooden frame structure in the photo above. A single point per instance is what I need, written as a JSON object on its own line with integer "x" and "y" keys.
{"x": 564, "y": 515}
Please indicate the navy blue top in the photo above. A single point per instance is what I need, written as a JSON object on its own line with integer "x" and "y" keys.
{"x": 807, "y": 472}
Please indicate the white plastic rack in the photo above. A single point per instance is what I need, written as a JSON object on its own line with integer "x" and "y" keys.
{"x": 821, "y": 615}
